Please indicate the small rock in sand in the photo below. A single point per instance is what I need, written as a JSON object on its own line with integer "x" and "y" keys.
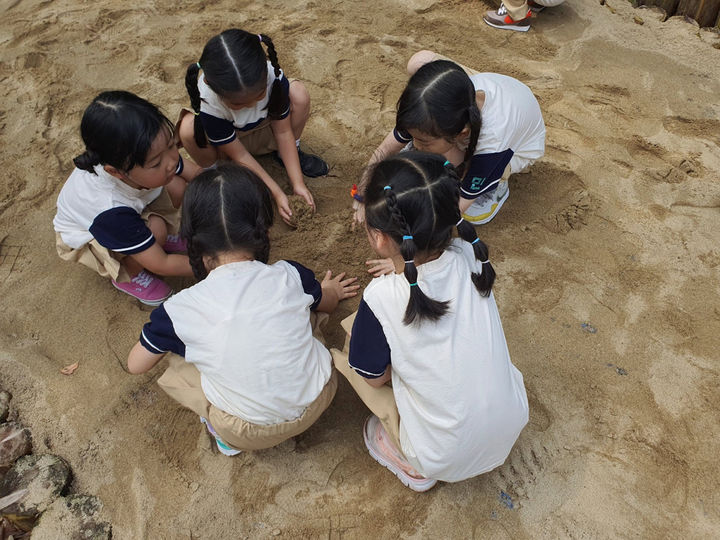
{"x": 33, "y": 483}
{"x": 15, "y": 442}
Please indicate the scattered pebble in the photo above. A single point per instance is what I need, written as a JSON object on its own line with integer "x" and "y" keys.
{"x": 620, "y": 371}
{"x": 276, "y": 532}
{"x": 638, "y": 20}
{"x": 589, "y": 328}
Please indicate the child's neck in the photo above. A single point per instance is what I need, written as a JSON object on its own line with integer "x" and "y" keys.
{"x": 420, "y": 258}
{"x": 227, "y": 257}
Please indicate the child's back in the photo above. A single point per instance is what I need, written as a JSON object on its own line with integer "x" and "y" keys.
{"x": 462, "y": 403}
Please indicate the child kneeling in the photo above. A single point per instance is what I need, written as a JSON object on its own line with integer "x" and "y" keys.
{"x": 432, "y": 328}
{"x": 247, "y": 358}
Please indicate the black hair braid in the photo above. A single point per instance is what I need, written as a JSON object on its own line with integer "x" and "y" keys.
{"x": 475, "y": 121}
{"x": 191, "y": 80}
{"x": 196, "y": 260}
{"x": 87, "y": 161}
{"x": 276, "y": 103}
{"x": 420, "y": 306}
{"x": 483, "y": 281}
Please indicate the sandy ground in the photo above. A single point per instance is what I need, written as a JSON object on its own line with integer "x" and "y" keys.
{"x": 607, "y": 257}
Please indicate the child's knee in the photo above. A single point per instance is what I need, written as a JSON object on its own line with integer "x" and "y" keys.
{"x": 299, "y": 96}
{"x": 418, "y": 60}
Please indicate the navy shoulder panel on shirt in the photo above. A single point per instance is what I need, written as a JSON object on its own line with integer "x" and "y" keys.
{"x": 369, "y": 349}
{"x": 158, "y": 336}
{"x": 401, "y": 136}
{"x": 484, "y": 172}
{"x": 310, "y": 285}
{"x": 218, "y": 130}
{"x": 122, "y": 229}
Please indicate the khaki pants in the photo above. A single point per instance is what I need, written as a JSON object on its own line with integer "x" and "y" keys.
{"x": 181, "y": 381}
{"x": 109, "y": 263}
{"x": 258, "y": 141}
{"x": 517, "y": 9}
{"x": 380, "y": 401}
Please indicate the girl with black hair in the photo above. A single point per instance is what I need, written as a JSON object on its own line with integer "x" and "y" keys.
{"x": 486, "y": 124}
{"x": 247, "y": 355}
{"x": 118, "y": 212}
{"x": 244, "y": 106}
{"x": 457, "y": 404}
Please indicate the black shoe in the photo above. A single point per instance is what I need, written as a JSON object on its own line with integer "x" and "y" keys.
{"x": 310, "y": 165}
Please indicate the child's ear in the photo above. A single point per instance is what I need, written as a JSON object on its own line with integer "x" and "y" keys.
{"x": 464, "y": 134}
{"x": 112, "y": 171}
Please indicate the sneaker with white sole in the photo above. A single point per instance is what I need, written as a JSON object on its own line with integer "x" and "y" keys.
{"x": 146, "y": 287}
{"x": 501, "y": 19}
{"x": 225, "y": 449}
{"x": 384, "y": 452}
{"x": 174, "y": 244}
{"x": 487, "y": 205}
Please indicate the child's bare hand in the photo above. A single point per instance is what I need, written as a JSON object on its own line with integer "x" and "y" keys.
{"x": 283, "y": 206}
{"x": 343, "y": 288}
{"x": 359, "y": 214}
{"x": 304, "y": 192}
{"x": 380, "y": 267}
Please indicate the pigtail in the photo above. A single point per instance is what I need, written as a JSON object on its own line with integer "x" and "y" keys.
{"x": 87, "y": 161}
{"x": 485, "y": 279}
{"x": 420, "y": 306}
{"x": 191, "y": 84}
{"x": 475, "y": 121}
{"x": 278, "y": 96}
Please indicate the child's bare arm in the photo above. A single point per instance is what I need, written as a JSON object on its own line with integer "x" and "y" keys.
{"x": 285, "y": 139}
{"x": 158, "y": 262}
{"x": 141, "y": 360}
{"x": 389, "y": 147}
{"x": 382, "y": 379}
{"x": 335, "y": 289}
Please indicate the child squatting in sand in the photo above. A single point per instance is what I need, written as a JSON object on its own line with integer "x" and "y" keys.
{"x": 118, "y": 212}
{"x": 245, "y": 340}
{"x": 431, "y": 327}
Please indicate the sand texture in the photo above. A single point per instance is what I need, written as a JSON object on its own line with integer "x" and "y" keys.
{"x": 606, "y": 253}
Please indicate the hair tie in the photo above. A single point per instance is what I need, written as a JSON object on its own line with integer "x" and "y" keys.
{"x": 475, "y": 241}
{"x": 459, "y": 222}
{"x": 447, "y": 162}
{"x": 483, "y": 262}
{"x": 386, "y": 188}
{"x": 409, "y": 262}
{"x": 413, "y": 284}
{"x": 407, "y": 237}
{"x": 198, "y": 65}
{"x": 260, "y": 38}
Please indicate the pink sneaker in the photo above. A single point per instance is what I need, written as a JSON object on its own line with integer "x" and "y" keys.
{"x": 384, "y": 452}
{"x": 174, "y": 244}
{"x": 146, "y": 287}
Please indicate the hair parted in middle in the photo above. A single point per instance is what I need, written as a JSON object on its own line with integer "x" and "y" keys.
{"x": 413, "y": 198}
{"x": 439, "y": 100}
{"x": 234, "y": 62}
{"x": 225, "y": 209}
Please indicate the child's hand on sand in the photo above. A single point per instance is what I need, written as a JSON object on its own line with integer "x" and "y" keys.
{"x": 304, "y": 192}
{"x": 283, "y": 206}
{"x": 380, "y": 267}
{"x": 342, "y": 288}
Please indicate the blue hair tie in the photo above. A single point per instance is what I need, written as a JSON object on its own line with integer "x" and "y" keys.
{"x": 413, "y": 284}
{"x": 198, "y": 65}
{"x": 387, "y": 187}
{"x": 447, "y": 162}
{"x": 407, "y": 237}
{"x": 475, "y": 241}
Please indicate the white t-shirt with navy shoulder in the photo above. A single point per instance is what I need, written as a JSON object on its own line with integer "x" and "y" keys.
{"x": 461, "y": 401}
{"x": 246, "y": 328}
{"x": 220, "y": 122}
{"x": 512, "y": 131}
{"x": 98, "y": 205}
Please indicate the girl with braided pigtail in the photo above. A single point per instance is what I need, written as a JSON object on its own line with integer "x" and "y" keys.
{"x": 243, "y": 106}
{"x": 486, "y": 124}
{"x": 245, "y": 346}
{"x": 430, "y": 327}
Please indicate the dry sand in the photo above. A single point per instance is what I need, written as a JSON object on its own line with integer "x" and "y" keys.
{"x": 607, "y": 257}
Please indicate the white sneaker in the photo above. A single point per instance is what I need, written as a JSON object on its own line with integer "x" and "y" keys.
{"x": 224, "y": 448}
{"x": 487, "y": 205}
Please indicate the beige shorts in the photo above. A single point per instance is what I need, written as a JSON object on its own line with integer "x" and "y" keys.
{"x": 258, "y": 141}
{"x": 181, "y": 381}
{"x": 109, "y": 263}
{"x": 380, "y": 401}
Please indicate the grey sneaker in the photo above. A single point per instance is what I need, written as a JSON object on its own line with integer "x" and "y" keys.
{"x": 501, "y": 19}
